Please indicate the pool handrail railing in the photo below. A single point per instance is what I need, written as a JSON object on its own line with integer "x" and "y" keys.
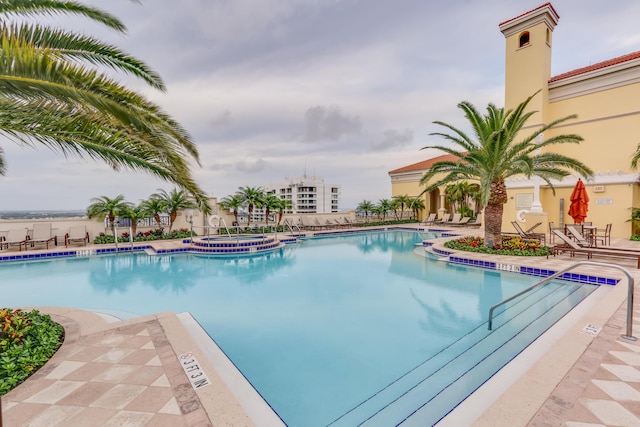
{"x": 629, "y": 332}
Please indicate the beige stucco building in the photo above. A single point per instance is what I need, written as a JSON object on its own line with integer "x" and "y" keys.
{"x": 606, "y": 99}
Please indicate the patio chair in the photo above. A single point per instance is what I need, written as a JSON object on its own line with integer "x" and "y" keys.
{"x": 540, "y": 237}
{"x": 603, "y": 235}
{"x": 77, "y": 234}
{"x": 43, "y": 233}
{"x": 16, "y": 236}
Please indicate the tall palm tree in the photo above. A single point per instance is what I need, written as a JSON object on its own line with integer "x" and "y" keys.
{"x": 285, "y": 205}
{"x": 105, "y": 207}
{"x": 233, "y": 204}
{"x": 153, "y": 207}
{"x": 365, "y": 206}
{"x": 402, "y": 200}
{"x": 500, "y": 149}
{"x": 271, "y": 203}
{"x": 252, "y": 197}
{"x": 416, "y": 204}
{"x": 385, "y": 207}
{"x": 53, "y": 93}
{"x": 134, "y": 213}
{"x": 173, "y": 201}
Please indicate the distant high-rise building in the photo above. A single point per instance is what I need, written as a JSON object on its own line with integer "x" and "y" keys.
{"x": 308, "y": 195}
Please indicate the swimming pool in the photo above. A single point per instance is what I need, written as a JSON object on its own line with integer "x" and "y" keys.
{"x": 332, "y": 331}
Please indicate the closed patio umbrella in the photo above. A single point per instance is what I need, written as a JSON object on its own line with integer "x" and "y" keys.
{"x": 579, "y": 203}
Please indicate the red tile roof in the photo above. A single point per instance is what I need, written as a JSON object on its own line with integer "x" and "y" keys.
{"x": 425, "y": 164}
{"x": 531, "y": 11}
{"x": 599, "y": 65}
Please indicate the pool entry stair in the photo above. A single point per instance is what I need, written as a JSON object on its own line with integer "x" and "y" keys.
{"x": 423, "y": 395}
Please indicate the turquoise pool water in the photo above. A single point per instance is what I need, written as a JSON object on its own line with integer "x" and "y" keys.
{"x": 328, "y": 331}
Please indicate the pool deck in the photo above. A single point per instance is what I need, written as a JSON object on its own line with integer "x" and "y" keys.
{"x": 112, "y": 373}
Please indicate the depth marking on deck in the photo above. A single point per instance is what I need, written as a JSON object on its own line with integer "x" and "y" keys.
{"x": 591, "y": 330}
{"x": 194, "y": 371}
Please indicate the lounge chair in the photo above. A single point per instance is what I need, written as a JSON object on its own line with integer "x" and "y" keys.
{"x": 476, "y": 222}
{"x": 551, "y": 235}
{"x": 533, "y": 227}
{"x": 16, "y": 236}
{"x": 540, "y": 237}
{"x": 455, "y": 219}
{"x": 445, "y": 218}
{"x": 77, "y": 234}
{"x": 430, "y": 219}
{"x": 43, "y": 233}
{"x": 572, "y": 230}
{"x": 573, "y": 248}
{"x": 347, "y": 222}
{"x": 462, "y": 222}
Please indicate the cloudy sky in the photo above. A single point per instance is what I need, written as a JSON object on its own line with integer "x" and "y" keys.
{"x": 344, "y": 89}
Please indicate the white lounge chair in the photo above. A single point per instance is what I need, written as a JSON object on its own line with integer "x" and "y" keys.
{"x": 430, "y": 219}
{"x": 42, "y": 233}
{"x": 16, "y": 236}
{"x": 76, "y": 234}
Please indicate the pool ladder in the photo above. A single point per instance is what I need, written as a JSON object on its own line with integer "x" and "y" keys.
{"x": 629, "y": 332}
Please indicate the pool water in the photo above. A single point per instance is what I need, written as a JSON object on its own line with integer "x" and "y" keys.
{"x": 318, "y": 328}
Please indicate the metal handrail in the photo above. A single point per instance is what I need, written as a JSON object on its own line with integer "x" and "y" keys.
{"x": 629, "y": 331}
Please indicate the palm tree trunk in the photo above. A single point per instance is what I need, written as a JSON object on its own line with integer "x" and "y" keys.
{"x": 493, "y": 225}
{"x": 494, "y": 212}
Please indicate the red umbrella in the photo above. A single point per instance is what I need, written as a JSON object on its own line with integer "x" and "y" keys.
{"x": 579, "y": 203}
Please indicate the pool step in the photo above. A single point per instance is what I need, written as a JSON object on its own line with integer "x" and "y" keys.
{"x": 426, "y": 392}
{"x": 223, "y": 245}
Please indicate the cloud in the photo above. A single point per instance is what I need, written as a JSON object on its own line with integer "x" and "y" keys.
{"x": 252, "y": 167}
{"x": 222, "y": 119}
{"x": 393, "y": 139}
{"x": 329, "y": 124}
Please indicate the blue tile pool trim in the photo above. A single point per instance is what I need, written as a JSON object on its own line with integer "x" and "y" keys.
{"x": 441, "y": 251}
{"x": 532, "y": 271}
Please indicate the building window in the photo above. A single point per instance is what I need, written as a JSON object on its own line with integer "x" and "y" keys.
{"x": 549, "y": 37}
{"x": 524, "y": 39}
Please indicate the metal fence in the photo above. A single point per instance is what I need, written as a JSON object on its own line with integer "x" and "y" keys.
{"x": 142, "y": 222}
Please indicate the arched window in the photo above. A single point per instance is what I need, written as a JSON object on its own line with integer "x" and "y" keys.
{"x": 524, "y": 39}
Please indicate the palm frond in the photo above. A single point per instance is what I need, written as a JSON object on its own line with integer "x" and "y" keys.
{"x": 31, "y": 8}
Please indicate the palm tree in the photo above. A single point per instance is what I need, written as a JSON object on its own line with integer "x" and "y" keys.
{"x": 495, "y": 155}
{"x": 454, "y": 194}
{"x": 252, "y": 197}
{"x": 153, "y": 207}
{"x": 416, "y": 204}
{"x": 53, "y": 93}
{"x": 105, "y": 207}
{"x": 134, "y": 213}
{"x": 285, "y": 205}
{"x": 365, "y": 206}
{"x": 385, "y": 206}
{"x": 402, "y": 200}
{"x": 271, "y": 203}
{"x": 232, "y": 204}
{"x": 173, "y": 202}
